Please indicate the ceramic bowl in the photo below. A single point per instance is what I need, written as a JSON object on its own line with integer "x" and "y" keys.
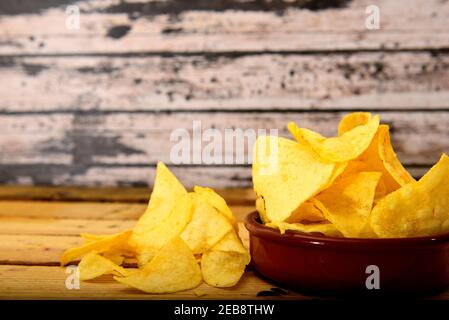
{"x": 322, "y": 264}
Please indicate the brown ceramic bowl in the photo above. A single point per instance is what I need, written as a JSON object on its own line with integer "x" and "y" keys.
{"x": 321, "y": 264}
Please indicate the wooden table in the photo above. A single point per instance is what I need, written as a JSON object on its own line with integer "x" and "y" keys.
{"x": 38, "y": 224}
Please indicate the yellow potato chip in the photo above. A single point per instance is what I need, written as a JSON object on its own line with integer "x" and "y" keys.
{"x": 389, "y": 158}
{"x": 174, "y": 268}
{"x": 166, "y": 190}
{"x": 357, "y": 166}
{"x": 87, "y": 237}
{"x": 416, "y": 209}
{"x": 286, "y": 174}
{"x": 381, "y": 190}
{"x": 225, "y": 263}
{"x": 306, "y": 212}
{"x": 340, "y": 168}
{"x": 215, "y": 200}
{"x": 115, "y": 257}
{"x": 260, "y": 207}
{"x": 352, "y": 120}
{"x": 206, "y": 227}
{"x": 325, "y": 228}
{"x": 222, "y": 268}
{"x": 343, "y": 148}
{"x": 92, "y": 265}
{"x": 380, "y": 156}
{"x": 147, "y": 242}
{"x": 114, "y": 242}
{"x": 347, "y": 204}
{"x": 166, "y": 216}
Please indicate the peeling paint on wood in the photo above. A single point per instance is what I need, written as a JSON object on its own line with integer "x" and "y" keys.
{"x": 96, "y": 106}
{"x": 122, "y": 148}
{"x": 269, "y": 81}
{"x": 422, "y": 26}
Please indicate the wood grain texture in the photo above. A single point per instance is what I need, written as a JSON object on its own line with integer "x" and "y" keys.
{"x": 234, "y": 197}
{"x": 31, "y": 247}
{"x": 38, "y": 282}
{"x": 42, "y": 226}
{"x": 71, "y": 210}
{"x": 23, "y": 249}
{"x": 95, "y": 106}
{"x": 368, "y": 80}
{"x": 40, "y": 244}
{"x": 29, "y": 266}
{"x": 122, "y": 149}
{"x": 85, "y": 211}
{"x": 201, "y": 27}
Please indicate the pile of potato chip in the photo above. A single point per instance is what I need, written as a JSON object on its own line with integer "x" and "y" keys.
{"x": 352, "y": 185}
{"x": 182, "y": 239}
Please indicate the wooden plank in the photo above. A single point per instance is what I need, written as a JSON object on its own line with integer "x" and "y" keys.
{"x": 34, "y": 249}
{"x": 56, "y": 227}
{"x": 71, "y": 210}
{"x": 122, "y": 148}
{"x": 36, "y": 282}
{"x": 206, "y": 26}
{"x": 214, "y": 177}
{"x": 370, "y": 80}
{"x": 82, "y": 213}
{"x": 235, "y": 196}
{"x": 76, "y": 194}
{"x": 128, "y": 139}
{"x": 35, "y": 244}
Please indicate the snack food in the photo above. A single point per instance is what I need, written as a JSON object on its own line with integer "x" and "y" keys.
{"x": 352, "y": 185}
{"x": 181, "y": 239}
{"x": 286, "y": 174}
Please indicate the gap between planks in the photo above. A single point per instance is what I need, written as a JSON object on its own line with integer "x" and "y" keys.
{"x": 234, "y": 196}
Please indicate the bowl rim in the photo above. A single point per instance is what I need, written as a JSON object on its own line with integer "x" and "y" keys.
{"x": 296, "y": 238}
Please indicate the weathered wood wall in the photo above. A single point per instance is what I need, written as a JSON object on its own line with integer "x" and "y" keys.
{"x": 96, "y": 106}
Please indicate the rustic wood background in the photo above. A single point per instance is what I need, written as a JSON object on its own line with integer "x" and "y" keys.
{"x": 96, "y": 106}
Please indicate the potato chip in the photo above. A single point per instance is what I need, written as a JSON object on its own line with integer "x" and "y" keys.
{"x": 114, "y": 242}
{"x": 169, "y": 241}
{"x": 347, "y": 204}
{"x": 206, "y": 227}
{"x": 286, "y": 174}
{"x": 389, "y": 158}
{"x": 339, "y": 169}
{"x": 260, "y": 207}
{"x": 93, "y": 265}
{"x": 416, "y": 209}
{"x": 87, "y": 237}
{"x": 215, "y": 200}
{"x": 357, "y": 166}
{"x": 325, "y": 228}
{"x": 166, "y": 191}
{"x": 147, "y": 242}
{"x": 380, "y": 156}
{"x": 225, "y": 263}
{"x": 352, "y": 120}
{"x": 174, "y": 268}
{"x": 306, "y": 212}
{"x": 115, "y": 257}
{"x": 168, "y": 212}
{"x": 343, "y": 148}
